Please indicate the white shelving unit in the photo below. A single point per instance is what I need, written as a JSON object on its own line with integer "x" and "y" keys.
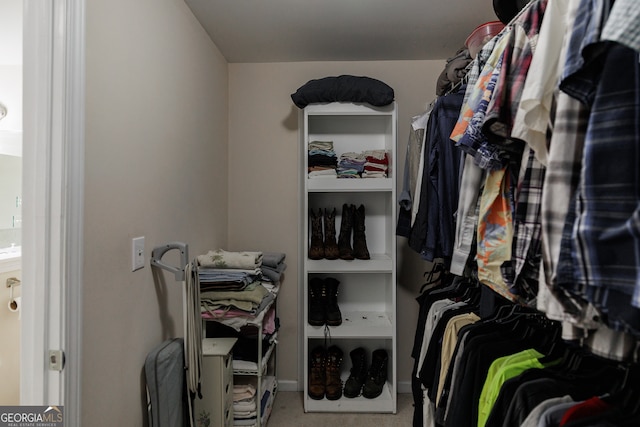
{"x": 367, "y": 290}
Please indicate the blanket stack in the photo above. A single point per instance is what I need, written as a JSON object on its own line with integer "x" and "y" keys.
{"x": 238, "y": 285}
{"x": 246, "y": 399}
{"x": 244, "y": 404}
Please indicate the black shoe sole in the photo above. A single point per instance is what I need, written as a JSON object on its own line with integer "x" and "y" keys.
{"x": 371, "y": 396}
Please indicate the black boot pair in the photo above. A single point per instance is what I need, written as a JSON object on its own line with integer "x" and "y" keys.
{"x": 352, "y": 221}
{"x": 368, "y": 381}
{"x": 324, "y": 373}
{"x": 323, "y": 242}
{"x": 323, "y": 302}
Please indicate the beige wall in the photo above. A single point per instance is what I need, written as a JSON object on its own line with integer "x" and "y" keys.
{"x": 9, "y": 342}
{"x": 155, "y": 166}
{"x": 264, "y": 178}
{"x": 182, "y": 146}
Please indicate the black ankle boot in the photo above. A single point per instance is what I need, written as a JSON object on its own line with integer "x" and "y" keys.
{"x": 333, "y": 315}
{"x": 377, "y": 375}
{"x": 317, "y": 302}
{"x": 358, "y": 374}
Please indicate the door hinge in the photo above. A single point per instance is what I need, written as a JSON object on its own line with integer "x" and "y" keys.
{"x": 56, "y": 360}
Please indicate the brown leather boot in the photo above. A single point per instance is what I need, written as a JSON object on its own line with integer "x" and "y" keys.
{"x": 360, "y": 250}
{"x": 330, "y": 245}
{"x": 317, "y": 372}
{"x": 333, "y": 388}
{"x": 316, "y": 248}
{"x": 346, "y": 226}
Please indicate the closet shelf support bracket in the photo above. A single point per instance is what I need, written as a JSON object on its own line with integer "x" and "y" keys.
{"x": 158, "y": 252}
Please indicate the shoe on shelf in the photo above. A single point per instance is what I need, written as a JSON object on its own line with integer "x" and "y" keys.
{"x": 317, "y": 302}
{"x": 331, "y": 250}
{"x": 344, "y": 238}
{"x": 377, "y": 375}
{"x": 360, "y": 250}
{"x": 358, "y": 374}
{"x": 317, "y": 379}
{"x": 333, "y": 315}
{"x": 316, "y": 247}
{"x": 333, "y": 385}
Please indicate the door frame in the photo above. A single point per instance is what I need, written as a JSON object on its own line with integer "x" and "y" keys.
{"x": 53, "y": 182}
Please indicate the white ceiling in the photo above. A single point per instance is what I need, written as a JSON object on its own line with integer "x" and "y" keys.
{"x": 339, "y": 30}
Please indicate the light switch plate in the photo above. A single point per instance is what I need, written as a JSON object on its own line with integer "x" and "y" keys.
{"x": 137, "y": 253}
{"x": 56, "y": 360}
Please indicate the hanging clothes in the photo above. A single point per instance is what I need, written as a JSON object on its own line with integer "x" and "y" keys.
{"x": 432, "y": 232}
{"x": 413, "y": 167}
{"x": 548, "y": 220}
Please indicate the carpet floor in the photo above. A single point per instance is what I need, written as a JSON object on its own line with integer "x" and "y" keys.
{"x": 288, "y": 411}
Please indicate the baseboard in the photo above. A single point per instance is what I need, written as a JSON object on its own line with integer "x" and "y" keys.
{"x": 404, "y": 387}
{"x": 288, "y": 385}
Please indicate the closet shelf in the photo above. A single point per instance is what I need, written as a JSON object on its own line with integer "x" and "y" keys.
{"x": 264, "y": 363}
{"x": 357, "y": 324}
{"x": 381, "y": 404}
{"x": 379, "y": 263}
{"x": 349, "y": 185}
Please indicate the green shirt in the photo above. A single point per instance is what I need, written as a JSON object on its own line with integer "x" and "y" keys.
{"x": 501, "y": 370}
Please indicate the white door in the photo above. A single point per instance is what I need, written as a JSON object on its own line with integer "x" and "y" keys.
{"x": 53, "y": 130}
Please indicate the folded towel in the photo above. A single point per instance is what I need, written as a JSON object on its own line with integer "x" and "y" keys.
{"x": 374, "y": 174}
{"x": 243, "y": 391}
{"x": 377, "y": 154}
{"x": 238, "y": 260}
{"x": 274, "y": 274}
{"x": 321, "y": 145}
{"x": 238, "y": 415}
{"x": 244, "y": 405}
{"x": 272, "y": 259}
{"x": 325, "y": 173}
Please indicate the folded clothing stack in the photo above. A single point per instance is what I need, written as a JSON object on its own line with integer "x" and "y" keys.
{"x": 244, "y": 404}
{"x": 273, "y": 266}
{"x": 232, "y": 283}
{"x": 351, "y": 165}
{"x": 246, "y": 398}
{"x": 368, "y": 164}
{"x": 377, "y": 164}
{"x": 322, "y": 160}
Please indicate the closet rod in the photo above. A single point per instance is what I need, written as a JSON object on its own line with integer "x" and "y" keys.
{"x": 158, "y": 252}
